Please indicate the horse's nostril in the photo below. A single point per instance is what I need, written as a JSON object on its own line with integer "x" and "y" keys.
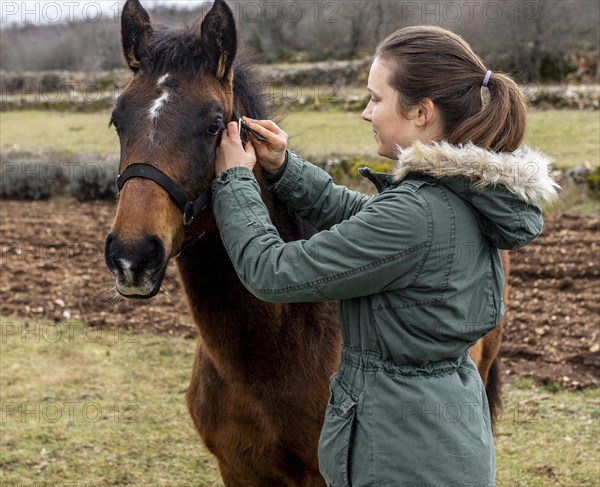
{"x": 134, "y": 258}
{"x": 111, "y": 249}
{"x": 107, "y": 246}
{"x": 156, "y": 248}
{"x": 150, "y": 253}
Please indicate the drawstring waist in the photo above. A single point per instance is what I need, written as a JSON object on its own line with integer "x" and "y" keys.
{"x": 356, "y": 362}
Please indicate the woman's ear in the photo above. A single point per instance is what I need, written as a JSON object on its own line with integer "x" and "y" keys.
{"x": 425, "y": 113}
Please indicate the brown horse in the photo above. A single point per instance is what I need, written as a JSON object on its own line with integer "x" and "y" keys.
{"x": 485, "y": 352}
{"x": 260, "y": 378}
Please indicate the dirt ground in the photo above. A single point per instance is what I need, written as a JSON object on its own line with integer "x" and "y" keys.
{"x": 52, "y": 270}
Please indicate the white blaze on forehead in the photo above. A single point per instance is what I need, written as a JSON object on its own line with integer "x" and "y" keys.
{"x": 161, "y": 100}
{"x": 158, "y": 104}
{"x": 162, "y": 79}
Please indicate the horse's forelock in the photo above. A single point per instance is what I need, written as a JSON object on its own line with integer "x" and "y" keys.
{"x": 181, "y": 51}
{"x": 176, "y": 50}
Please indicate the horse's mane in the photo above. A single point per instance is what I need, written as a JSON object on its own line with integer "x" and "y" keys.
{"x": 248, "y": 89}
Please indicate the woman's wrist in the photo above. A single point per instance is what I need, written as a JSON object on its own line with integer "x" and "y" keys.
{"x": 273, "y": 168}
{"x": 273, "y": 177}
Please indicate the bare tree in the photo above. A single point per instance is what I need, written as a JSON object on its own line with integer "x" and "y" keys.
{"x": 519, "y": 36}
{"x": 531, "y": 34}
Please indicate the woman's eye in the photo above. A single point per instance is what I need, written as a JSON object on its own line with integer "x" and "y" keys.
{"x": 215, "y": 128}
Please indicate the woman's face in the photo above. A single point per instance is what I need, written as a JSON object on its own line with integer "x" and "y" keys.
{"x": 390, "y": 128}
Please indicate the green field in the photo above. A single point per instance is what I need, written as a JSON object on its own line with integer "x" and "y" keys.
{"x": 107, "y": 408}
{"x": 571, "y": 137}
{"x": 97, "y": 409}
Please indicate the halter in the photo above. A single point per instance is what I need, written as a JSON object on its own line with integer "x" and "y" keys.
{"x": 190, "y": 209}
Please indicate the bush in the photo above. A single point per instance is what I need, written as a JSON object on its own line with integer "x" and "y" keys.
{"x": 554, "y": 68}
{"x": 94, "y": 182}
{"x": 30, "y": 177}
{"x": 27, "y": 181}
{"x": 593, "y": 181}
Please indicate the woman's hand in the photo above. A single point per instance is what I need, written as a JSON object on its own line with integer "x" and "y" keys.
{"x": 270, "y": 154}
{"x": 231, "y": 152}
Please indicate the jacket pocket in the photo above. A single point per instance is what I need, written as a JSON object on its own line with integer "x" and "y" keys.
{"x": 336, "y": 436}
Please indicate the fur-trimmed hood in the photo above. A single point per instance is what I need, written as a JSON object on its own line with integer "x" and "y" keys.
{"x": 503, "y": 189}
{"x": 525, "y": 172}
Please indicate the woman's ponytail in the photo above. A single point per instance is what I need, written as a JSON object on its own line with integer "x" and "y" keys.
{"x": 501, "y": 123}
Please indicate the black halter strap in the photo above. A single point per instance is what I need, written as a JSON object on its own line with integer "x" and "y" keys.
{"x": 190, "y": 209}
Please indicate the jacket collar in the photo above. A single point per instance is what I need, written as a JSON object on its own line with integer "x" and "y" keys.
{"x": 525, "y": 172}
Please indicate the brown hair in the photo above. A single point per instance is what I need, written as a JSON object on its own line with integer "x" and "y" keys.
{"x": 431, "y": 62}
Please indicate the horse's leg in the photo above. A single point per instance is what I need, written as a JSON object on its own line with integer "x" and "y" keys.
{"x": 314, "y": 479}
{"x": 477, "y": 355}
{"x": 493, "y": 383}
{"x": 229, "y": 478}
{"x": 304, "y": 472}
{"x": 485, "y": 352}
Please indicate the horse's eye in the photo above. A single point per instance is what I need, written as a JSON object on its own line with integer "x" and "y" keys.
{"x": 114, "y": 123}
{"x": 215, "y": 127}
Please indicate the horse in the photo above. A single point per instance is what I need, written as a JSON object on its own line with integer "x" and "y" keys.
{"x": 260, "y": 378}
{"x": 485, "y": 353}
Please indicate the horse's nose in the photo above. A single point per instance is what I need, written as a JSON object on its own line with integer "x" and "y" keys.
{"x": 133, "y": 260}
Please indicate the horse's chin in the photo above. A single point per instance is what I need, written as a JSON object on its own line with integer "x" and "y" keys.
{"x": 137, "y": 293}
{"x": 148, "y": 289}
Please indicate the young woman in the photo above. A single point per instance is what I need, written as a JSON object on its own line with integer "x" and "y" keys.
{"x": 416, "y": 268}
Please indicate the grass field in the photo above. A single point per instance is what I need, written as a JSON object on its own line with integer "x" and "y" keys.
{"x": 97, "y": 409}
{"x": 571, "y": 137}
{"x": 81, "y": 406}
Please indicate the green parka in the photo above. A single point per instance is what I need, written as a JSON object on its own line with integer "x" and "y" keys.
{"x": 418, "y": 276}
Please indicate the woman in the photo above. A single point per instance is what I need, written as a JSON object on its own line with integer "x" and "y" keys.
{"x": 416, "y": 268}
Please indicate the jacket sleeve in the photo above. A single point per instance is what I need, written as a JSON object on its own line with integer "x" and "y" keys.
{"x": 311, "y": 192}
{"x": 381, "y": 247}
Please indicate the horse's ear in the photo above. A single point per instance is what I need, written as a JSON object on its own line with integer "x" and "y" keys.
{"x": 219, "y": 37}
{"x": 136, "y": 33}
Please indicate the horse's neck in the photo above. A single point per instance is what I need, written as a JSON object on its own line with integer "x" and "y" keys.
{"x": 229, "y": 319}
{"x": 207, "y": 271}
{"x": 209, "y": 279}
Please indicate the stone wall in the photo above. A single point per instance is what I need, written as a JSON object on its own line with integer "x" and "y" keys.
{"x": 79, "y": 91}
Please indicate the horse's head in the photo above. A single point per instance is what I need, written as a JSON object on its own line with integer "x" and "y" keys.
{"x": 169, "y": 119}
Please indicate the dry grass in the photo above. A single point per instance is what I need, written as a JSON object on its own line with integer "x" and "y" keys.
{"x": 129, "y": 424}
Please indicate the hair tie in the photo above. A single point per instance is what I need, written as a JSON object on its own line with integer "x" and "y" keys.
{"x": 486, "y": 78}
{"x": 484, "y": 91}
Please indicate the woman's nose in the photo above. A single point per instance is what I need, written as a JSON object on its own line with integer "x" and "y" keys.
{"x": 366, "y": 114}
